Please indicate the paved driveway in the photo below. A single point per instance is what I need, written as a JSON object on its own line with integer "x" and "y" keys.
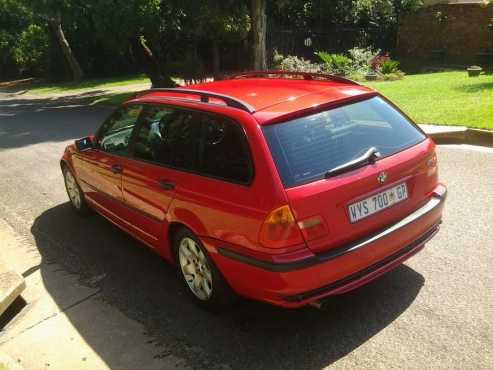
{"x": 436, "y": 311}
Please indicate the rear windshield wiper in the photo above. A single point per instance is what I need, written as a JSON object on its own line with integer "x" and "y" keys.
{"x": 370, "y": 156}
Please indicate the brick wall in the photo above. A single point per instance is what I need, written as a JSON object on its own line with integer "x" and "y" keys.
{"x": 459, "y": 29}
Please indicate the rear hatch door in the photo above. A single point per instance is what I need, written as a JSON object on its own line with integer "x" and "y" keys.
{"x": 358, "y": 201}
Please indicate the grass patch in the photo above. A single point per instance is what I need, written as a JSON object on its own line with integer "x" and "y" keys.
{"x": 445, "y": 98}
{"x": 87, "y": 85}
{"x": 111, "y": 99}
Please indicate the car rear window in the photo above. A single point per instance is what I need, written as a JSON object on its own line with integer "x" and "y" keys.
{"x": 304, "y": 149}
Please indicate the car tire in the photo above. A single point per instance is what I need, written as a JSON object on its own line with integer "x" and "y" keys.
{"x": 203, "y": 281}
{"x": 74, "y": 192}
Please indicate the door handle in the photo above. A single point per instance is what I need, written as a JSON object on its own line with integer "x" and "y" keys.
{"x": 167, "y": 185}
{"x": 117, "y": 168}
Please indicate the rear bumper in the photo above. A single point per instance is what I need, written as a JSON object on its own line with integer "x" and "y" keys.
{"x": 366, "y": 275}
{"x": 294, "y": 283}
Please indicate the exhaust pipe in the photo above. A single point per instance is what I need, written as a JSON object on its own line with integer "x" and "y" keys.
{"x": 317, "y": 304}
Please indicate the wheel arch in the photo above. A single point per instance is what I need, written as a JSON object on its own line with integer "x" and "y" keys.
{"x": 180, "y": 217}
{"x": 64, "y": 163}
{"x": 173, "y": 228}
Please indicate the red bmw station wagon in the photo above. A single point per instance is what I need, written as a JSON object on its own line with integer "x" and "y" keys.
{"x": 276, "y": 186}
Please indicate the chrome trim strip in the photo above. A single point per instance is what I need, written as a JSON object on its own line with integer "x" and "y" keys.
{"x": 428, "y": 207}
{"x": 433, "y": 203}
{"x": 369, "y": 272}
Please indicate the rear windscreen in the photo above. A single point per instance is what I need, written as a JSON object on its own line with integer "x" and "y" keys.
{"x": 306, "y": 148}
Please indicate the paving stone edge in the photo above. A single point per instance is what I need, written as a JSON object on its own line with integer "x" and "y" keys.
{"x": 469, "y": 136}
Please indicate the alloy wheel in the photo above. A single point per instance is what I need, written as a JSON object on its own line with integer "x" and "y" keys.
{"x": 73, "y": 189}
{"x": 195, "y": 268}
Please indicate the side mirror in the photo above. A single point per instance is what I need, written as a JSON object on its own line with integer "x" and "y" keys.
{"x": 85, "y": 143}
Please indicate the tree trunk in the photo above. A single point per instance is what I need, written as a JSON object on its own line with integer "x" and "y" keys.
{"x": 153, "y": 69}
{"x": 56, "y": 24}
{"x": 259, "y": 29}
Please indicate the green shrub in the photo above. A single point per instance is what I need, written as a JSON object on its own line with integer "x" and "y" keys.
{"x": 394, "y": 76}
{"x": 356, "y": 76}
{"x": 277, "y": 59}
{"x": 31, "y": 49}
{"x": 295, "y": 64}
{"x": 361, "y": 77}
{"x": 361, "y": 59}
{"x": 341, "y": 64}
{"x": 325, "y": 57}
{"x": 335, "y": 63}
{"x": 390, "y": 66}
{"x": 355, "y": 67}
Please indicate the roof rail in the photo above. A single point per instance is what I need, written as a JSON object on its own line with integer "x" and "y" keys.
{"x": 305, "y": 75}
{"x": 204, "y": 97}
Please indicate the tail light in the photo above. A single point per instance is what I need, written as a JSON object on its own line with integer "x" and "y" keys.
{"x": 432, "y": 160}
{"x": 431, "y": 164}
{"x": 280, "y": 230}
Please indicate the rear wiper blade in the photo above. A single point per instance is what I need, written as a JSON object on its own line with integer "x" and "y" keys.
{"x": 370, "y": 156}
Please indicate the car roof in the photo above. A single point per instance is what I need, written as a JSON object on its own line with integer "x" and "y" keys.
{"x": 267, "y": 98}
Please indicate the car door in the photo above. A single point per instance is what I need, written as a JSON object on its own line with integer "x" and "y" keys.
{"x": 99, "y": 170}
{"x": 149, "y": 179}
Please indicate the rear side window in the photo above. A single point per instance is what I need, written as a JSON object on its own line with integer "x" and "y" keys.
{"x": 192, "y": 141}
{"x": 224, "y": 151}
{"x": 306, "y": 148}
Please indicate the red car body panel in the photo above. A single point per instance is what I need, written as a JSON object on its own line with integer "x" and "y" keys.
{"x": 228, "y": 217}
{"x": 276, "y": 99}
{"x": 330, "y": 199}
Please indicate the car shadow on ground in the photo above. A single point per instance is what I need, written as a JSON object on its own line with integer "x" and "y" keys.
{"x": 252, "y": 335}
{"x": 27, "y": 121}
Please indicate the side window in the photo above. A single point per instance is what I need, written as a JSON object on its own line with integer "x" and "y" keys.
{"x": 114, "y": 134}
{"x": 167, "y": 136}
{"x": 224, "y": 151}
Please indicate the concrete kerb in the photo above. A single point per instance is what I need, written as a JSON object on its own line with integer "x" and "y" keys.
{"x": 8, "y": 363}
{"x": 459, "y": 135}
{"x": 11, "y": 286}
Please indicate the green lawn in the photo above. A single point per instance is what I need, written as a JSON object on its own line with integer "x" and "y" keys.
{"x": 87, "y": 85}
{"x": 445, "y": 98}
{"x": 112, "y": 99}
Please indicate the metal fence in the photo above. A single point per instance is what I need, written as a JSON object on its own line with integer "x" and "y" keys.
{"x": 335, "y": 39}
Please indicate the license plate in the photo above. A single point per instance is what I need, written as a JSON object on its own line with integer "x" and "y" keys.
{"x": 378, "y": 202}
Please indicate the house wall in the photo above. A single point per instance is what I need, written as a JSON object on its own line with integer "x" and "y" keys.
{"x": 463, "y": 30}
